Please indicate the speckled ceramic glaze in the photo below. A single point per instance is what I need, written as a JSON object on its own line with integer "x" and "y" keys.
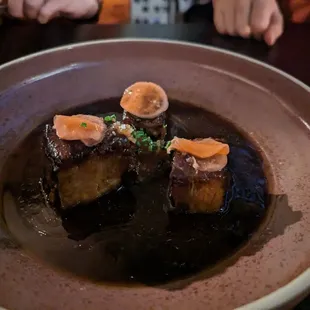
{"x": 273, "y": 108}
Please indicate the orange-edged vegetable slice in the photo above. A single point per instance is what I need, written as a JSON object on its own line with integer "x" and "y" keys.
{"x": 145, "y": 100}
{"x": 87, "y": 128}
{"x": 200, "y": 148}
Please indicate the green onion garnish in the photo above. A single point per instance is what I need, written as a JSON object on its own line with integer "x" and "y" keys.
{"x": 167, "y": 145}
{"x": 83, "y": 125}
{"x": 110, "y": 118}
{"x": 138, "y": 134}
{"x": 153, "y": 147}
{"x": 144, "y": 140}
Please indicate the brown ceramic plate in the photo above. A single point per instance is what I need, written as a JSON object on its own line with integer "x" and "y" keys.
{"x": 267, "y": 104}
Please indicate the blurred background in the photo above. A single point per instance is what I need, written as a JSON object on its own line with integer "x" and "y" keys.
{"x": 154, "y": 11}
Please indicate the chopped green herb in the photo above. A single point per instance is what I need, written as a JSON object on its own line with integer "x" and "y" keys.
{"x": 138, "y": 134}
{"x": 153, "y": 147}
{"x": 167, "y": 145}
{"x": 83, "y": 125}
{"x": 110, "y": 118}
{"x": 144, "y": 141}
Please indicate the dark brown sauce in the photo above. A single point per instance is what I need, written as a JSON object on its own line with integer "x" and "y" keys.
{"x": 127, "y": 236}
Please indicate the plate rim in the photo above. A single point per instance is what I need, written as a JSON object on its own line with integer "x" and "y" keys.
{"x": 298, "y": 286}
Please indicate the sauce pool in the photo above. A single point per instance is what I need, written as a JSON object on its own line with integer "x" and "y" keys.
{"x": 127, "y": 236}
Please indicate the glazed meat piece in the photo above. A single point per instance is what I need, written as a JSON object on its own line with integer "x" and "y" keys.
{"x": 150, "y": 157}
{"x": 149, "y": 165}
{"x": 156, "y": 127}
{"x": 198, "y": 178}
{"x": 196, "y": 191}
{"x": 85, "y": 173}
{"x": 145, "y": 106}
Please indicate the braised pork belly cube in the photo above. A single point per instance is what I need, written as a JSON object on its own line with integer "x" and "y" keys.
{"x": 84, "y": 173}
{"x": 90, "y": 179}
{"x": 155, "y": 128}
{"x": 195, "y": 191}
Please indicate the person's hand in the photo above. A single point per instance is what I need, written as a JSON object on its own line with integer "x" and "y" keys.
{"x": 45, "y": 10}
{"x": 245, "y": 18}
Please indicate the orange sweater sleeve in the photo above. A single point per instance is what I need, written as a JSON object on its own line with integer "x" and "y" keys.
{"x": 115, "y": 12}
{"x": 299, "y": 10}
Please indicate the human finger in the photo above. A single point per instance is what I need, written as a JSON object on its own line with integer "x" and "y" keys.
{"x": 229, "y": 17}
{"x": 218, "y": 16}
{"x": 32, "y": 8}
{"x": 16, "y": 8}
{"x": 50, "y": 10}
{"x": 242, "y": 18}
{"x": 275, "y": 28}
{"x": 261, "y": 13}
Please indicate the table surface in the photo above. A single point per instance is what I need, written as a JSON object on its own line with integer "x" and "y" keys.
{"x": 290, "y": 54}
